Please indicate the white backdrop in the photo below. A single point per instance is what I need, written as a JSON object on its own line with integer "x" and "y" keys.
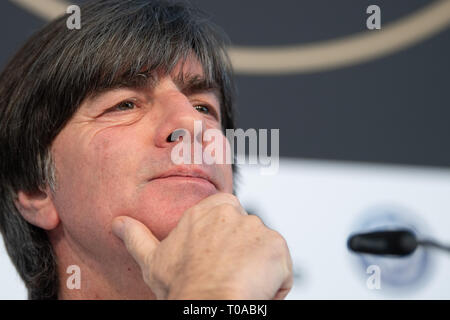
{"x": 317, "y": 204}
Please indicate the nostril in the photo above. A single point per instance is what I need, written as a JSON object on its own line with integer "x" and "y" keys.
{"x": 174, "y": 136}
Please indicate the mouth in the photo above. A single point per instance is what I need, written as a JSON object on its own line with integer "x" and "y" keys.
{"x": 180, "y": 175}
{"x": 186, "y": 179}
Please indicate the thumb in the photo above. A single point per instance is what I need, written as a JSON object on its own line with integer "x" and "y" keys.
{"x": 138, "y": 239}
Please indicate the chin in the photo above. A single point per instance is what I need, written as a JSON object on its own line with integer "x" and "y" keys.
{"x": 162, "y": 209}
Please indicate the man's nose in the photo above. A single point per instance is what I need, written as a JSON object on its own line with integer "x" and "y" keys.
{"x": 178, "y": 117}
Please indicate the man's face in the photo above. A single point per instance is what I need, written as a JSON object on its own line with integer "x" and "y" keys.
{"x": 109, "y": 155}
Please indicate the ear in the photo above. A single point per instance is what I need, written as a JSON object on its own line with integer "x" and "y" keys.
{"x": 38, "y": 209}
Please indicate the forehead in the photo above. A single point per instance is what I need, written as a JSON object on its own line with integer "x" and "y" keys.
{"x": 188, "y": 66}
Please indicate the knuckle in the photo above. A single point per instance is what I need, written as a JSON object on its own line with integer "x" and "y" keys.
{"x": 278, "y": 240}
{"x": 230, "y": 198}
{"x": 226, "y": 209}
{"x": 254, "y": 221}
{"x": 192, "y": 214}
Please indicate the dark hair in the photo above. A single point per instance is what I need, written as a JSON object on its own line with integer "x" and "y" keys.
{"x": 44, "y": 84}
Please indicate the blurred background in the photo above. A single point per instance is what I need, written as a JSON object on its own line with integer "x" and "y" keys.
{"x": 364, "y": 119}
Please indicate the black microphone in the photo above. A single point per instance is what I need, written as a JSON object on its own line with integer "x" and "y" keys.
{"x": 395, "y": 242}
{"x": 401, "y": 242}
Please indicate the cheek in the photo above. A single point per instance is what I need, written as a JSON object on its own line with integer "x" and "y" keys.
{"x": 92, "y": 168}
{"x": 217, "y": 153}
{"x": 227, "y": 173}
{"x": 93, "y": 185}
{"x": 226, "y": 168}
{"x": 113, "y": 160}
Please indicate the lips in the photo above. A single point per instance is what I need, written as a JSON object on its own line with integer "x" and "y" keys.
{"x": 183, "y": 172}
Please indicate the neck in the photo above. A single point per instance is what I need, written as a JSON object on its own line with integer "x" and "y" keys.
{"x": 82, "y": 277}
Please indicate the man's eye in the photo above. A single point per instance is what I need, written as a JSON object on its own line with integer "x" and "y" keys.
{"x": 124, "y": 106}
{"x": 203, "y": 109}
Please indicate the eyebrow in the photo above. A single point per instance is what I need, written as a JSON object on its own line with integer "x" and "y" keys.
{"x": 191, "y": 84}
{"x": 141, "y": 80}
{"x": 186, "y": 83}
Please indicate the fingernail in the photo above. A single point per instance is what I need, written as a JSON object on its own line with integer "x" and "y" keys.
{"x": 118, "y": 227}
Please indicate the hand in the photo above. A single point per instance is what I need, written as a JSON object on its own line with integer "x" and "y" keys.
{"x": 217, "y": 251}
